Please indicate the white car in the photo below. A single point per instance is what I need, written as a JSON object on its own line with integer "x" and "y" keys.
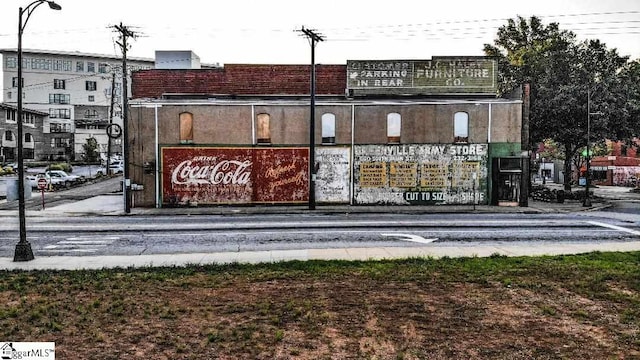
{"x": 63, "y": 178}
{"x": 114, "y": 168}
{"x": 51, "y": 181}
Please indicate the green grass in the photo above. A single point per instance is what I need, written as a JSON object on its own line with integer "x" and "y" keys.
{"x": 326, "y": 309}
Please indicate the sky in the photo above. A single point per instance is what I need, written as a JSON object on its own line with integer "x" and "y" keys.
{"x": 267, "y": 31}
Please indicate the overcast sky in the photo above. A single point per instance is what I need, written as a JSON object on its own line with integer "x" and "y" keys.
{"x": 242, "y": 31}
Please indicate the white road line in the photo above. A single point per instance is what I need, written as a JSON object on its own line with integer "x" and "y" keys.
{"x": 71, "y": 250}
{"x": 411, "y": 237}
{"x": 614, "y": 227}
{"x": 85, "y": 242}
{"x": 69, "y": 246}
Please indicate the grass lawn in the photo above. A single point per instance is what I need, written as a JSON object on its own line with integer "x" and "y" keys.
{"x": 561, "y": 307}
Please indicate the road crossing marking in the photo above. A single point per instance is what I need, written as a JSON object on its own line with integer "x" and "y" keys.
{"x": 614, "y": 227}
{"x": 412, "y": 237}
{"x": 81, "y": 244}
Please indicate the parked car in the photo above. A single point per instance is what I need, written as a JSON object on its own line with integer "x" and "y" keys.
{"x": 62, "y": 178}
{"x": 52, "y": 182}
{"x": 114, "y": 168}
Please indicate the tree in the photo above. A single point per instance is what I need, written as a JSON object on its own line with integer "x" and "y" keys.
{"x": 564, "y": 75}
{"x": 90, "y": 151}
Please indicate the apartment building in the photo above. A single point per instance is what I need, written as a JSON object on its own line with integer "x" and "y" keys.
{"x": 80, "y": 92}
{"x": 32, "y": 133}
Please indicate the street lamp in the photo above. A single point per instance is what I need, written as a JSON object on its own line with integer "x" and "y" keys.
{"x": 587, "y": 198}
{"x": 23, "y": 250}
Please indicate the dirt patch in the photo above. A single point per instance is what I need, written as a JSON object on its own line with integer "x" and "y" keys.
{"x": 345, "y": 313}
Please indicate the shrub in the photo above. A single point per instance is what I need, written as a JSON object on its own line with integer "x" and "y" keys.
{"x": 66, "y": 167}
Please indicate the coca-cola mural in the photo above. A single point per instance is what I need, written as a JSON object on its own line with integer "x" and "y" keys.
{"x": 215, "y": 175}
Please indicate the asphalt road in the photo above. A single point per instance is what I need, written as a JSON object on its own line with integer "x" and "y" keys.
{"x": 115, "y": 235}
{"x": 135, "y": 235}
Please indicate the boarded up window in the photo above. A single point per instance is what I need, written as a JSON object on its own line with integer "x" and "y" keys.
{"x": 264, "y": 131}
{"x": 394, "y": 123}
{"x": 186, "y": 128}
{"x": 461, "y": 127}
{"x": 328, "y": 128}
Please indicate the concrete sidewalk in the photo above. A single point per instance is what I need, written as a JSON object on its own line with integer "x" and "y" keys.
{"x": 352, "y": 254}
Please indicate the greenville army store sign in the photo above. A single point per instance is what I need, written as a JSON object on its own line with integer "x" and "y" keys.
{"x": 440, "y": 75}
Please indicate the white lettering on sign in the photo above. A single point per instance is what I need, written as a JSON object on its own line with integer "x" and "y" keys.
{"x": 225, "y": 172}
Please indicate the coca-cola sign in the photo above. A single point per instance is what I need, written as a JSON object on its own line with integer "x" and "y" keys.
{"x": 193, "y": 176}
{"x": 223, "y": 172}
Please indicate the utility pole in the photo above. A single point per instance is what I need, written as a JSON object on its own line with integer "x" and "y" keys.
{"x": 314, "y": 38}
{"x": 125, "y": 33}
{"x": 113, "y": 91}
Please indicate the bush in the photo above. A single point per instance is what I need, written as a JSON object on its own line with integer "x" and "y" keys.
{"x": 66, "y": 167}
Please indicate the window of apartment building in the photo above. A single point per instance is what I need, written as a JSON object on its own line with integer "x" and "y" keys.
{"x": 28, "y": 119}
{"x": 186, "y": 128}
{"x": 60, "y": 113}
{"x": 59, "y": 84}
{"x": 264, "y": 130}
{"x": 60, "y": 142}
{"x": 8, "y": 135}
{"x": 57, "y": 65}
{"x": 66, "y": 65}
{"x": 11, "y": 115}
{"x": 461, "y": 127}
{"x": 28, "y": 138}
{"x": 79, "y": 66}
{"x": 328, "y": 128}
{"x": 14, "y": 81}
{"x": 59, "y": 128}
{"x": 91, "y": 85}
{"x": 11, "y": 62}
{"x": 28, "y": 153}
{"x": 394, "y": 124}
{"x": 91, "y": 67}
{"x": 59, "y": 98}
{"x": 103, "y": 68}
{"x": 91, "y": 98}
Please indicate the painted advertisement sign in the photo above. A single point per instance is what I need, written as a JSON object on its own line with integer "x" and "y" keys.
{"x": 420, "y": 174}
{"x": 439, "y": 75}
{"x": 194, "y": 176}
{"x": 333, "y": 174}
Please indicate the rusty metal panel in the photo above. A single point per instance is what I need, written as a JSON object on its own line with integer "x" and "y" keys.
{"x": 193, "y": 176}
{"x": 420, "y": 174}
{"x": 333, "y": 175}
{"x": 440, "y": 75}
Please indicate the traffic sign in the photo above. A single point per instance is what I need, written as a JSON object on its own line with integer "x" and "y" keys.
{"x": 114, "y": 131}
{"x": 42, "y": 183}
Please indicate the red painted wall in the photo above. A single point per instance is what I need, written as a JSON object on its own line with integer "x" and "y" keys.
{"x": 214, "y": 175}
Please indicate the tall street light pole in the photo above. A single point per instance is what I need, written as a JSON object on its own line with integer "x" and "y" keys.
{"x": 23, "y": 250}
{"x": 587, "y": 197}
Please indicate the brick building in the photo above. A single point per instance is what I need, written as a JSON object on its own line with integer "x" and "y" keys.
{"x": 240, "y": 135}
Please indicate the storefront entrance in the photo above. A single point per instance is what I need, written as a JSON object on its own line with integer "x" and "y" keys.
{"x": 507, "y": 174}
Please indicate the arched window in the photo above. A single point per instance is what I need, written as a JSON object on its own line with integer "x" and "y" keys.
{"x": 263, "y": 127}
{"x": 186, "y": 128}
{"x": 328, "y": 128}
{"x": 461, "y": 127}
{"x": 394, "y": 124}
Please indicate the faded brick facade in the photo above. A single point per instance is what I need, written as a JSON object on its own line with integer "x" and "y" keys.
{"x": 225, "y": 106}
